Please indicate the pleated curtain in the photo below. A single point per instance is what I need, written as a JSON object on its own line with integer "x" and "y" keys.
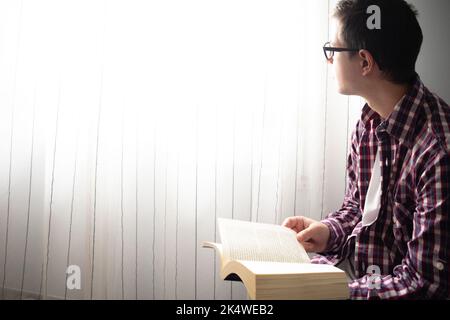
{"x": 128, "y": 127}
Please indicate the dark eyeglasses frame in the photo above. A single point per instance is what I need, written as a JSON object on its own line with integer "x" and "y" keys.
{"x": 326, "y": 48}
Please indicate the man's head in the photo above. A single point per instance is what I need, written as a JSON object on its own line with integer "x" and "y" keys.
{"x": 386, "y": 54}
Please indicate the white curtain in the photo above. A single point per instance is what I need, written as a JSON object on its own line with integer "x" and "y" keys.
{"x": 128, "y": 127}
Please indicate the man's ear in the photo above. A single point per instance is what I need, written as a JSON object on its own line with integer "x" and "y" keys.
{"x": 367, "y": 62}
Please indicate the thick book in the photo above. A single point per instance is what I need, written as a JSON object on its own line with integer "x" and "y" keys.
{"x": 272, "y": 264}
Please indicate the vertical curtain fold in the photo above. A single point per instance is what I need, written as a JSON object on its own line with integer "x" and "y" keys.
{"x": 128, "y": 127}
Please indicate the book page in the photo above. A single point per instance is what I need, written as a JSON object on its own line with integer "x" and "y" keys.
{"x": 243, "y": 240}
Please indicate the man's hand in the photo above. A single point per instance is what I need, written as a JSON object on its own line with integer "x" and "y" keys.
{"x": 313, "y": 235}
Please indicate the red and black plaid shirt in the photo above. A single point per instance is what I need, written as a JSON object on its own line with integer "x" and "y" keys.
{"x": 410, "y": 241}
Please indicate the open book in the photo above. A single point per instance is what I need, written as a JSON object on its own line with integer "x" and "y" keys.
{"x": 272, "y": 264}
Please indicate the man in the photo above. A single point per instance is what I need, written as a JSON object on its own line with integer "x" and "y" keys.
{"x": 391, "y": 234}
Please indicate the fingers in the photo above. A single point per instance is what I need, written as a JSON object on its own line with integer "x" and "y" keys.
{"x": 309, "y": 247}
{"x": 294, "y": 223}
{"x": 304, "y": 235}
{"x": 305, "y": 238}
{"x": 288, "y": 222}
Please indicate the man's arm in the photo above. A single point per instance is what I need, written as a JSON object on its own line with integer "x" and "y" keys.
{"x": 342, "y": 222}
{"x": 424, "y": 271}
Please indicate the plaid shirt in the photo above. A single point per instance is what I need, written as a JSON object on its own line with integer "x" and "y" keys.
{"x": 410, "y": 241}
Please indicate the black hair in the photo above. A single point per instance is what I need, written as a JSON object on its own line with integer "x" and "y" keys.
{"x": 395, "y": 46}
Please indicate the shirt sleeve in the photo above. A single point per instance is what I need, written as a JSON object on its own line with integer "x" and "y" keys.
{"x": 424, "y": 272}
{"x": 342, "y": 222}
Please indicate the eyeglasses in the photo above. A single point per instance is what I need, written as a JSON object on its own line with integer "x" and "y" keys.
{"x": 329, "y": 51}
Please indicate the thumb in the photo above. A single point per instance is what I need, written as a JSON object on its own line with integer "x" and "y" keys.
{"x": 304, "y": 235}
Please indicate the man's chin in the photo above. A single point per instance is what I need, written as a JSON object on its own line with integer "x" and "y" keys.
{"x": 345, "y": 91}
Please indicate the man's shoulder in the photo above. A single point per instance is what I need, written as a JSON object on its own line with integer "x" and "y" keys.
{"x": 436, "y": 123}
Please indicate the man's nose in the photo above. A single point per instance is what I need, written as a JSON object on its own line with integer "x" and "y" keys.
{"x": 330, "y": 61}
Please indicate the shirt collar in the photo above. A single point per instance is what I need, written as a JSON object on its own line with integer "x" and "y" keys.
{"x": 400, "y": 123}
